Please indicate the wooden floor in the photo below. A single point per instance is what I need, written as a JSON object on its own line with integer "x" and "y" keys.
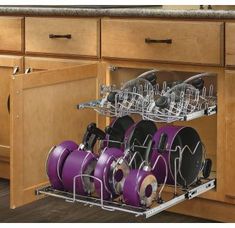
{"x": 56, "y": 210}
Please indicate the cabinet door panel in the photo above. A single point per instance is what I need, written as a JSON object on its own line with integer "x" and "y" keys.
{"x": 230, "y": 134}
{"x": 7, "y": 65}
{"x": 44, "y": 114}
{"x": 43, "y": 63}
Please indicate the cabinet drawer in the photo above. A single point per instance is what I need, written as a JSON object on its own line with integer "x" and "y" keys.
{"x": 230, "y": 44}
{"x": 11, "y": 37}
{"x": 191, "y": 42}
{"x": 62, "y": 36}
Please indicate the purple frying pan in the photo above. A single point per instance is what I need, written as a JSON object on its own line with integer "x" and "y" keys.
{"x": 55, "y": 162}
{"x": 103, "y": 171}
{"x": 109, "y": 173}
{"x": 186, "y": 165}
{"x": 112, "y": 166}
{"x": 79, "y": 166}
{"x": 140, "y": 186}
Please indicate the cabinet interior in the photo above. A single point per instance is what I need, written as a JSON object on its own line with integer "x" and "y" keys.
{"x": 205, "y": 126}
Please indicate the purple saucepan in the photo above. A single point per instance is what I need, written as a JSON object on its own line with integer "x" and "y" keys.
{"x": 186, "y": 164}
{"x": 55, "y": 162}
{"x": 103, "y": 171}
{"x": 139, "y": 188}
{"x": 80, "y": 164}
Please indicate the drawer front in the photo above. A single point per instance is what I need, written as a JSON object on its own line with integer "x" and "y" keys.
{"x": 230, "y": 44}
{"x": 62, "y": 36}
{"x": 191, "y": 42}
{"x": 11, "y": 37}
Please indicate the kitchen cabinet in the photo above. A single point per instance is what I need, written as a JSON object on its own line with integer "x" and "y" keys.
{"x": 43, "y": 114}
{"x": 8, "y": 64}
{"x": 48, "y": 113}
{"x": 230, "y": 139}
{"x": 163, "y": 41}
{"x": 229, "y": 44}
{"x": 44, "y": 63}
{"x": 12, "y": 34}
{"x": 111, "y": 51}
{"x": 63, "y": 36}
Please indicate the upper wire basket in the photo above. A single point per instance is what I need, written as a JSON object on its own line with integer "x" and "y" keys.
{"x": 163, "y": 102}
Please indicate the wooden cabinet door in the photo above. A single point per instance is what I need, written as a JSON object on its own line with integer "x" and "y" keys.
{"x": 230, "y": 136}
{"x": 7, "y": 66}
{"x": 43, "y": 63}
{"x": 44, "y": 114}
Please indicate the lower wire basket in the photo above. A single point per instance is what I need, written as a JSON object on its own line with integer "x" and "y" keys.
{"x": 197, "y": 189}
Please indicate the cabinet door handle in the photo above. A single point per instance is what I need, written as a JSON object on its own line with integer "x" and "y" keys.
{"x": 8, "y": 103}
{"x": 154, "y": 41}
{"x": 55, "y": 36}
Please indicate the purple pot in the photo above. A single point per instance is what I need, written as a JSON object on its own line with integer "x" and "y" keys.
{"x": 139, "y": 188}
{"x": 167, "y": 139}
{"x": 55, "y": 162}
{"x": 79, "y": 162}
{"x": 103, "y": 171}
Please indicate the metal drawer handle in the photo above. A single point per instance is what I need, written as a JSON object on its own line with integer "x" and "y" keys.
{"x": 54, "y": 36}
{"x": 150, "y": 41}
{"x": 8, "y": 103}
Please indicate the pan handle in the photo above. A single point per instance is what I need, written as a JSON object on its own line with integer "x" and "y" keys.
{"x": 91, "y": 135}
{"x": 114, "y": 132}
{"x": 207, "y": 168}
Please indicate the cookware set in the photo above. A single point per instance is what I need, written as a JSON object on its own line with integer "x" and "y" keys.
{"x": 134, "y": 160}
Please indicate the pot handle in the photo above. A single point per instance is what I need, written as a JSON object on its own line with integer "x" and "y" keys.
{"x": 92, "y": 135}
{"x": 198, "y": 83}
{"x": 207, "y": 168}
{"x": 96, "y": 134}
{"x": 114, "y": 132}
{"x": 88, "y": 133}
{"x": 150, "y": 76}
{"x": 111, "y": 97}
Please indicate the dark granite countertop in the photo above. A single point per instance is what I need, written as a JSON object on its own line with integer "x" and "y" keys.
{"x": 116, "y": 12}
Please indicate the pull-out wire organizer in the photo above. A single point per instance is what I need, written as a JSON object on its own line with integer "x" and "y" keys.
{"x": 118, "y": 205}
{"x": 173, "y": 195}
{"x": 156, "y": 102}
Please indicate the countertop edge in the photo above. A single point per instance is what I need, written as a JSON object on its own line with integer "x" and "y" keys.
{"x": 122, "y": 12}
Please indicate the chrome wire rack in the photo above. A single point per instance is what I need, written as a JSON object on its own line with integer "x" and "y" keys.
{"x": 118, "y": 205}
{"x": 156, "y": 102}
{"x": 163, "y": 200}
